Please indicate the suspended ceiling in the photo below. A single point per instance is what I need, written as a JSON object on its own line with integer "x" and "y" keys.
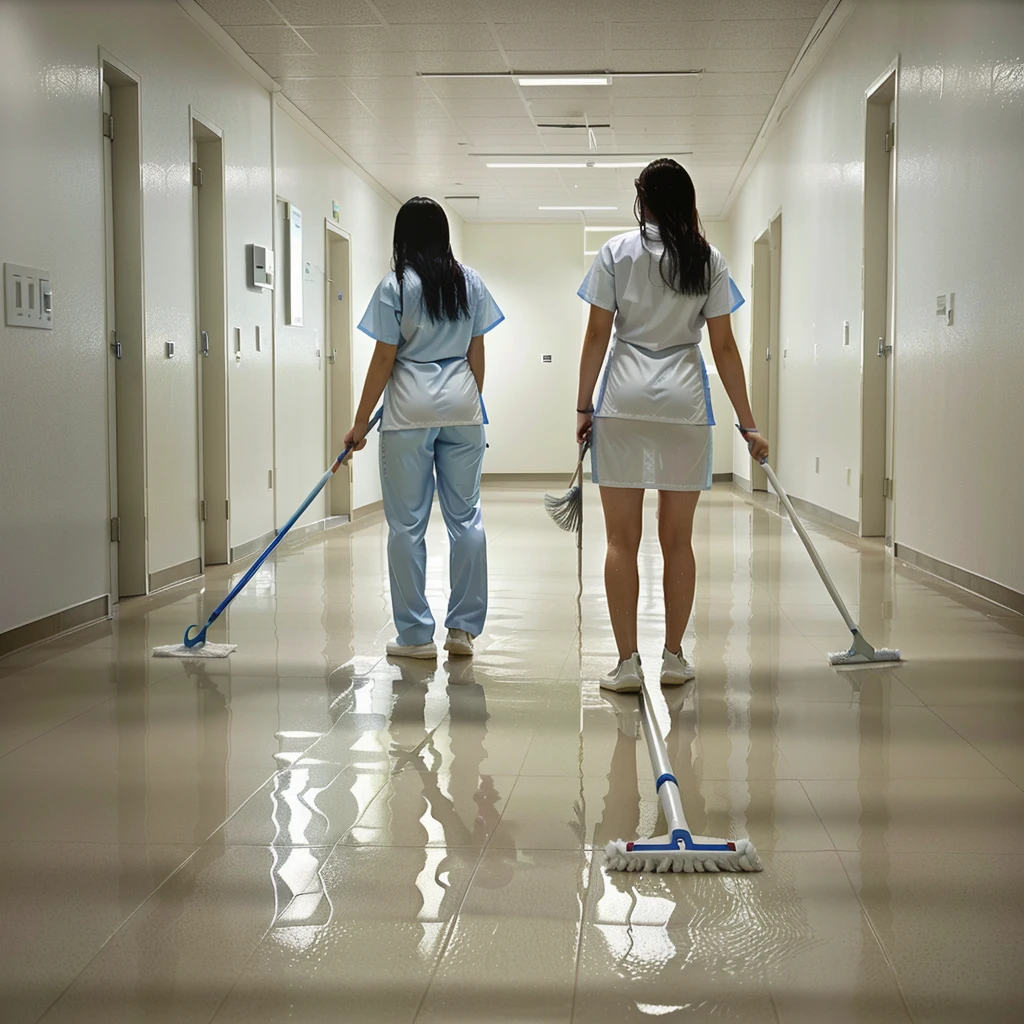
{"x": 355, "y": 68}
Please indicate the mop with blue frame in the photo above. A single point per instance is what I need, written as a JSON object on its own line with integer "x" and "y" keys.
{"x": 198, "y": 646}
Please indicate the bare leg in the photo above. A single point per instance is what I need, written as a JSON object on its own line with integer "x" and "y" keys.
{"x": 623, "y": 520}
{"x": 675, "y": 531}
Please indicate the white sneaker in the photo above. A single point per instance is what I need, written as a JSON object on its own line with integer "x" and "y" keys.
{"x": 675, "y": 669}
{"x": 459, "y": 642}
{"x": 423, "y": 651}
{"x": 628, "y": 676}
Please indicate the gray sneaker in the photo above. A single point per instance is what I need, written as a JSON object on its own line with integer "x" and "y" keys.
{"x": 628, "y": 676}
{"x": 675, "y": 669}
{"x": 424, "y": 651}
{"x": 459, "y": 642}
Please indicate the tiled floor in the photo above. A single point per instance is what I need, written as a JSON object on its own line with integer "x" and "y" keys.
{"x": 307, "y": 832}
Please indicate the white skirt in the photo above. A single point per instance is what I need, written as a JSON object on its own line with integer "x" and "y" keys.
{"x": 652, "y": 424}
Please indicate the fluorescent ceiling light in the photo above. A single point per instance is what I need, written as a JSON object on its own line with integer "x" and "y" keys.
{"x": 578, "y": 165}
{"x": 577, "y": 207}
{"x": 564, "y": 80}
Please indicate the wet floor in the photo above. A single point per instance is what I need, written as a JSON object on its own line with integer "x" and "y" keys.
{"x": 307, "y": 831}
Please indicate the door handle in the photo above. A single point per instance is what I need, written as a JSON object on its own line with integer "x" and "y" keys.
{"x": 333, "y": 357}
{"x": 204, "y": 343}
{"x": 883, "y": 349}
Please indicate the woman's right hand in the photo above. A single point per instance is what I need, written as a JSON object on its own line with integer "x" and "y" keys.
{"x": 756, "y": 445}
{"x": 356, "y": 439}
{"x": 584, "y": 426}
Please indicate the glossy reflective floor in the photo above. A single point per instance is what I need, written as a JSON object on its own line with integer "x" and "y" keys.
{"x": 308, "y": 832}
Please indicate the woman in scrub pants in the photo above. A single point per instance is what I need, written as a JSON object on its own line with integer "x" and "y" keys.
{"x": 428, "y": 317}
{"x": 651, "y": 427}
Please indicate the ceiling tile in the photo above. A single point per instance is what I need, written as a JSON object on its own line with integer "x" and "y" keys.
{"x": 484, "y": 107}
{"x": 557, "y": 60}
{"x": 756, "y": 35}
{"x": 402, "y": 127}
{"x": 296, "y": 65}
{"x": 728, "y": 124}
{"x": 657, "y": 106}
{"x": 742, "y": 83}
{"x": 551, "y": 35}
{"x": 338, "y": 39}
{"x": 339, "y": 107}
{"x": 313, "y": 88}
{"x": 398, "y": 12}
{"x": 364, "y": 127}
{"x": 468, "y": 36}
{"x": 268, "y": 39}
{"x": 473, "y": 88}
{"x": 570, "y": 110}
{"x": 660, "y": 36}
{"x": 657, "y": 86}
{"x": 426, "y": 108}
{"x": 771, "y": 8}
{"x": 750, "y": 60}
{"x": 474, "y": 126}
{"x": 407, "y": 85}
{"x": 460, "y": 62}
{"x": 241, "y": 12}
{"x": 658, "y": 60}
{"x": 665, "y": 10}
{"x": 327, "y": 12}
{"x": 735, "y": 105}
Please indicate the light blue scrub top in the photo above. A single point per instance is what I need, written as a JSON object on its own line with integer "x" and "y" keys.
{"x": 431, "y": 384}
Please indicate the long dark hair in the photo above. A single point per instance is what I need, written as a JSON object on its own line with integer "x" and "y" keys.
{"x": 423, "y": 242}
{"x": 666, "y": 196}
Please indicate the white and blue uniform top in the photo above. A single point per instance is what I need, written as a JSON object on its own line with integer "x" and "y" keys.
{"x": 431, "y": 384}
{"x": 655, "y": 371}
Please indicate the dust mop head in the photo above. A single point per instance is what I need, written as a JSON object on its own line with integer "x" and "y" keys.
{"x": 206, "y": 650}
{"x": 566, "y": 511}
{"x": 682, "y": 852}
{"x": 855, "y": 657}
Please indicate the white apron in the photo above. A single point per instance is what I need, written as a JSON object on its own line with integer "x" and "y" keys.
{"x": 653, "y": 420}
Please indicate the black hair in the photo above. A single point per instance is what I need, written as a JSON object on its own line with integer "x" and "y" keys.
{"x": 666, "y": 196}
{"x": 423, "y": 242}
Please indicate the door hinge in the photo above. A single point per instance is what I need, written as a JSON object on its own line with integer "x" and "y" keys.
{"x": 197, "y": 174}
{"x": 115, "y": 345}
{"x": 767, "y": 355}
{"x": 887, "y": 487}
{"x": 890, "y": 138}
{"x": 202, "y": 511}
{"x": 227, "y": 509}
{"x": 115, "y": 530}
{"x": 108, "y": 126}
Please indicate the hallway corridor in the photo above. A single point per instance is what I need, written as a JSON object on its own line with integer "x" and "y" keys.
{"x": 306, "y": 831}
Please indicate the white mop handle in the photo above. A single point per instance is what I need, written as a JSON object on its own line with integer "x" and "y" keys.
{"x": 668, "y": 791}
{"x": 811, "y": 550}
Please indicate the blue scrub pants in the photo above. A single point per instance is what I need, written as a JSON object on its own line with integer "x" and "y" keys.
{"x": 408, "y": 459}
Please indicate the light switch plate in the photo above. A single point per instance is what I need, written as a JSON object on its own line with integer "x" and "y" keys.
{"x": 28, "y": 297}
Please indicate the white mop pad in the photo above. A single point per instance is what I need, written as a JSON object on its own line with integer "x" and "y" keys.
{"x": 206, "y": 650}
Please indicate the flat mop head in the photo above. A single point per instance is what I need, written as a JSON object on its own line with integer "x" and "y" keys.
{"x": 862, "y": 653}
{"x": 682, "y": 852}
{"x": 204, "y": 650}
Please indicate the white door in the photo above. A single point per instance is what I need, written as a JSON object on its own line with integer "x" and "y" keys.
{"x": 889, "y": 343}
{"x": 339, "y": 363}
{"x": 108, "y": 246}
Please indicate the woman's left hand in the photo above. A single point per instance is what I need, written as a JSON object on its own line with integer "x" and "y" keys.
{"x": 355, "y": 439}
{"x": 584, "y": 426}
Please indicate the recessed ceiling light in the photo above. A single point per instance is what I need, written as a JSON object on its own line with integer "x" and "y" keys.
{"x": 553, "y": 80}
{"x": 580, "y": 208}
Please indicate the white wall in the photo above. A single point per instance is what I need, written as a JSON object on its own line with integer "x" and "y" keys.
{"x": 959, "y": 221}
{"x": 533, "y": 271}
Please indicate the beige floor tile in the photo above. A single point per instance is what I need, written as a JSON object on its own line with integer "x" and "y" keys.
{"x": 952, "y": 926}
{"x": 61, "y": 902}
{"x": 788, "y": 944}
{"x": 512, "y": 954}
{"x": 929, "y": 814}
{"x": 177, "y": 957}
{"x": 979, "y": 681}
{"x": 996, "y": 732}
{"x": 831, "y": 741}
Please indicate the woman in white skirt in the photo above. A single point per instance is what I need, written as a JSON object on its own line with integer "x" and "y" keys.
{"x": 651, "y": 426}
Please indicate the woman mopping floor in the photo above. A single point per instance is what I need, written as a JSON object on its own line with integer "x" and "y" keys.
{"x": 428, "y": 318}
{"x": 652, "y": 424}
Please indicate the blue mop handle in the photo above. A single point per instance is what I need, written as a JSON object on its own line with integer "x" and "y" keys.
{"x": 254, "y": 568}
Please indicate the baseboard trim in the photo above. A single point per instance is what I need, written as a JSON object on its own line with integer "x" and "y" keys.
{"x": 970, "y": 581}
{"x": 742, "y": 483}
{"x": 175, "y": 574}
{"x": 49, "y": 626}
{"x": 824, "y": 515}
{"x": 367, "y": 510}
{"x": 251, "y": 547}
{"x": 320, "y": 526}
{"x": 721, "y": 478}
